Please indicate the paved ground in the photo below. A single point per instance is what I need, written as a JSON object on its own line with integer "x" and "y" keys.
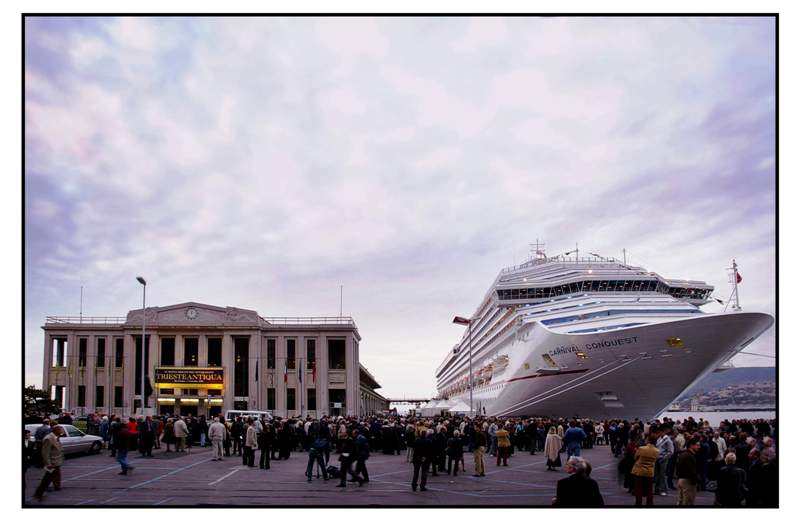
{"x": 193, "y": 479}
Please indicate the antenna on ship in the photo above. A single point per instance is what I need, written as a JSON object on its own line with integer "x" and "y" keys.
{"x": 734, "y": 278}
{"x": 538, "y": 249}
{"x": 624, "y": 257}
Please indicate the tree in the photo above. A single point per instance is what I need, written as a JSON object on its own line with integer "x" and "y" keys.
{"x": 36, "y": 403}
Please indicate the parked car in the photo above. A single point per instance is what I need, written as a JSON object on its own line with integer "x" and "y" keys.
{"x": 75, "y": 440}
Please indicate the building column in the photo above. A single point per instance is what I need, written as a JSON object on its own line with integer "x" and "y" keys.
{"x": 71, "y": 357}
{"x": 109, "y": 382}
{"x": 48, "y": 362}
{"x": 91, "y": 372}
{"x": 129, "y": 367}
{"x": 178, "y": 350}
{"x": 202, "y": 351}
{"x": 228, "y": 364}
{"x": 153, "y": 351}
{"x": 322, "y": 376}
{"x": 261, "y": 359}
{"x": 351, "y": 376}
{"x": 280, "y": 385}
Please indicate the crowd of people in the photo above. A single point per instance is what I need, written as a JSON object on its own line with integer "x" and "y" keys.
{"x": 736, "y": 459}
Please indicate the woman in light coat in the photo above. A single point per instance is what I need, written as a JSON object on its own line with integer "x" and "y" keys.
{"x": 552, "y": 449}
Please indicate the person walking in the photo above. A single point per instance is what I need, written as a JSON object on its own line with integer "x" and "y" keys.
{"x": 730, "y": 484}
{"x": 346, "y": 459}
{"x": 552, "y": 449}
{"x": 503, "y": 445}
{"x": 362, "y": 455}
{"x": 686, "y": 470}
{"x": 423, "y": 455}
{"x": 492, "y": 433}
{"x": 52, "y": 459}
{"x": 38, "y": 439}
{"x": 479, "y": 449}
{"x": 181, "y": 433}
{"x": 216, "y": 433}
{"x": 411, "y": 437}
{"x": 250, "y": 444}
{"x": 643, "y": 471}
{"x": 125, "y": 440}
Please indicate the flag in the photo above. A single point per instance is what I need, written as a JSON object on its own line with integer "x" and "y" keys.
{"x": 286, "y": 372}
{"x": 300, "y": 373}
{"x": 738, "y": 278}
{"x": 256, "y": 370}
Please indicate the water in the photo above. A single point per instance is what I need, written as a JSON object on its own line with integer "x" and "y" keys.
{"x": 714, "y": 418}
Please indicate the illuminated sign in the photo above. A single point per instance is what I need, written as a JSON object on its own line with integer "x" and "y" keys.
{"x": 189, "y": 377}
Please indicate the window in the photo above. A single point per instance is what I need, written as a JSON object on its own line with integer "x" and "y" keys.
{"x": 241, "y": 365}
{"x": 118, "y": 396}
{"x": 311, "y": 353}
{"x": 101, "y": 352}
{"x": 59, "y": 348}
{"x": 81, "y": 396}
{"x": 99, "y": 396}
{"x": 167, "y": 351}
{"x": 190, "y": 351}
{"x": 336, "y": 353}
{"x": 270, "y": 353}
{"x": 82, "y": 352}
{"x": 215, "y": 352}
{"x": 312, "y": 400}
{"x": 119, "y": 353}
{"x": 72, "y": 432}
{"x": 58, "y": 395}
{"x": 290, "y": 354}
{"x": 290, "y": 399}
{"x": 138, "y": 361}
{"x": 271, "y": 398}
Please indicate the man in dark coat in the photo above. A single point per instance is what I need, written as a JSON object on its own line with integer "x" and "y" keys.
{"x": 439, "y": 453}
{"x": 265, "y": 441}
{"x": 346, "y": 459}
{"x": 362, "y": 455}
{"x": 730, "y": 484}
{"x": 577, "y": 490}
{"x": 237, "y": 430}
{"x": 423, "y": 456}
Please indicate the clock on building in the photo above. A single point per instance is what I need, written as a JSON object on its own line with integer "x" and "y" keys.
{"x": 191, "y": 313}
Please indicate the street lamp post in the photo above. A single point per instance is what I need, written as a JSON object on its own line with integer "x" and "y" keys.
{"x": 144, "y": 296}
{"x": 468, "y": 322}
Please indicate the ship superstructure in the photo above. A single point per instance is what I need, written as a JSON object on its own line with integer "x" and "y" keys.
{"x": 590, "y": 336}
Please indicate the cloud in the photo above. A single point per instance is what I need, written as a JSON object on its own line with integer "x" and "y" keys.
{"x": 261, "y": 163}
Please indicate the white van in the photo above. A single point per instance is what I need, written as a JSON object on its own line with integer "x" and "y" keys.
{"x": 231, "y": 415}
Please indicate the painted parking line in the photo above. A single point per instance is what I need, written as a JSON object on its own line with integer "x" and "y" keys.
{"x": 86, "y": 501}
{"x": 229, "y": 474}
{"x": 168, "y": 474}
{"x": 92, "y": 473}
{"x": 163, "y": 501}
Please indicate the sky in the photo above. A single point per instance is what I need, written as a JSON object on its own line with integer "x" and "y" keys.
{"x": 263, "y": 162}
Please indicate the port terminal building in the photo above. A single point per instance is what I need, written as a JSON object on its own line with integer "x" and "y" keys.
{"x": 204, "y": 359}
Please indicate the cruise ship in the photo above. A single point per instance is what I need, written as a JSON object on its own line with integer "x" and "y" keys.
{"x": 591, "y": 337}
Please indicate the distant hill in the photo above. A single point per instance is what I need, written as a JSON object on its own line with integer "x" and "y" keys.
{"x": 735, "y": 376}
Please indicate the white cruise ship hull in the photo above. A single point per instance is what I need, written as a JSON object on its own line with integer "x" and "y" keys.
{"x": 635, "y": 372}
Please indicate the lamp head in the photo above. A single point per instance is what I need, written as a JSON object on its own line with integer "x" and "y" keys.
{"x": 141, "y": 281}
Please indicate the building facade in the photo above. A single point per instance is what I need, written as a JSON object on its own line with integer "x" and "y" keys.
{"x": 204, "y": 359}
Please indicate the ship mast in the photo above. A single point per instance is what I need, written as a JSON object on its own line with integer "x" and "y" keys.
{"x": 736, "y": 306}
